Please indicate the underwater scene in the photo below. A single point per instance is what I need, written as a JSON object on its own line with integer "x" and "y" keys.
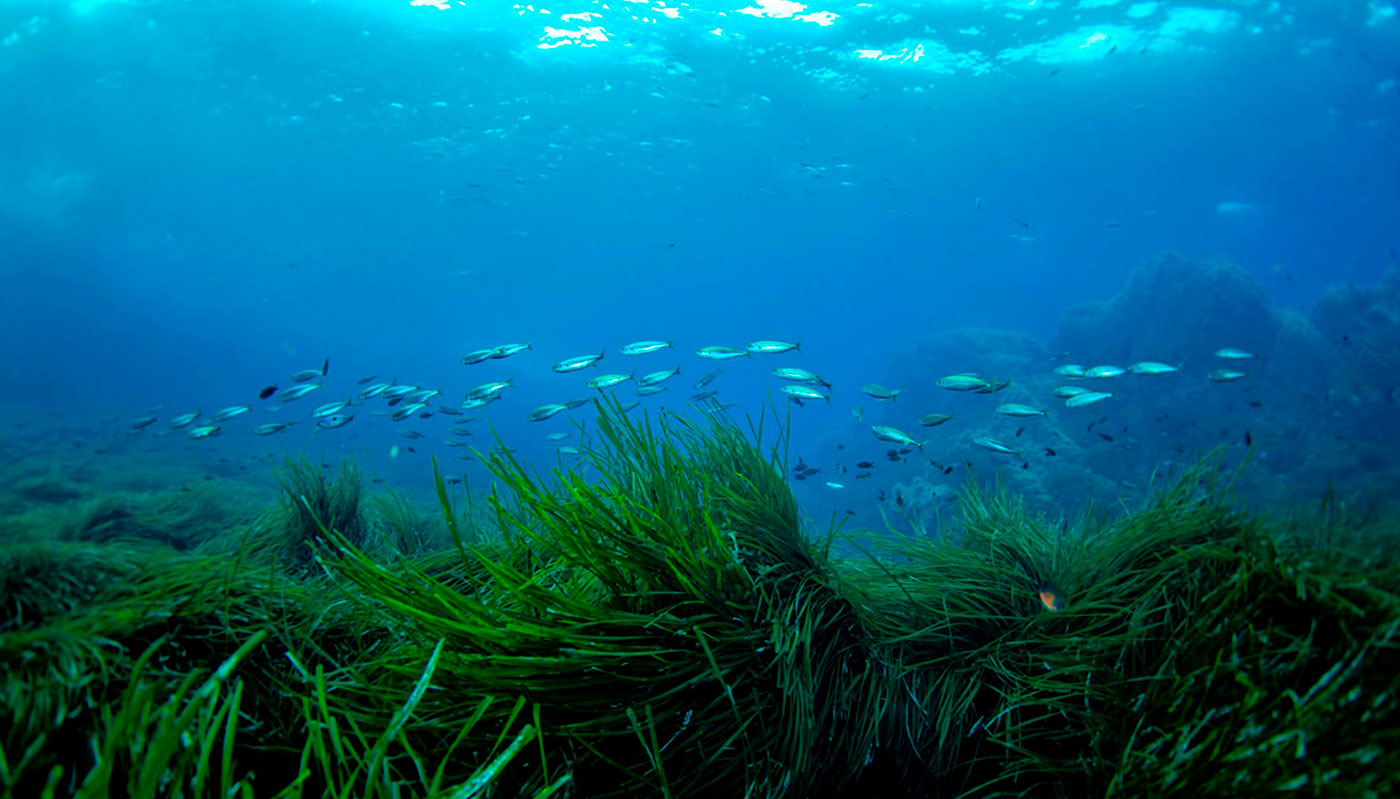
{"x": 766, "y": 399}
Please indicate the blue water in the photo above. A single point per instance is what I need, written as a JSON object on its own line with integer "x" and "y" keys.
{"x": 198, "y": 199}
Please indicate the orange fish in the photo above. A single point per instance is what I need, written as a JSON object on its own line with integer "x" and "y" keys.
{"x": 1050, "y": 597}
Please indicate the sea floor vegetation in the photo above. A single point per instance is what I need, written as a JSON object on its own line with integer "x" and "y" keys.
{"x": 672, "y": 626}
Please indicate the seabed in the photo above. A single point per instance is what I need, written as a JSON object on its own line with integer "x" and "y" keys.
{"x": 672, "y": 627}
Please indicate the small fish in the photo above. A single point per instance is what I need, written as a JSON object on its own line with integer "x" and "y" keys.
{"x": 306, "y": 374}
{"x": 1087, "y": 399}
{"x": 365, "y": 379}
{"x": 721, "y": 353}
{"x": 576, "y": 363}
{"x": 297, "y": 392}
{"x": 1106, "y": 371}
{"x": 1227, "y": 375}
{"x": 963, "y": 383}
{"x": 575, "y": 451}
{"x": 329, "y": 409}
{"x": 1152, "y": 368}
{"x": 1060, "y": 356}
{"x": 545, "y": 412}
{"x": 772, "y": 347}
{"x": 864, "y": 465}
{"x": 459, "y": 432}
{"x": 1017, "y": 409}
{"x": 1248, "y": 439}
{"x": 412, "y": 435}
{"x": 895, "y": 435}
{"x": 934, "y": 419}
{"x": 656, "y": 378}
{"x": 1106, "y": 437}
{"x": 492, "y": 389}
{"x": 834, "y": 485}
{"x": 578, "y": 403}
{"x": 648, "y": 391}
{"x": 1050, "y": 597}
{"x": 224, "y": 414}
{"x": 507, "y": 350}
{"x": 267, "y": 391}
{"x": 701, "y": 396}
{"x": 1233, "y": 354}
{"x": 421, "y": 395}
{"x": 857, "y": 411}
{"x": 397, "y": 392}
{"x": 144, "y": 421}
{"x": 325, "y": 367}
{"x": 332, "y": 422}
{"x": 557, "y": 436}
{"x": 183, "y": 420}
{"x": 707, "y": 379}
{"x": 992, "y": 444}
{"x": 1049, "y": 453}
{"x": 880, "y": 392}
{"x": 1065, "y": 392}
{"x": 644, "y": 347}
{"x": 608, "y": 381}
{"x": 804, "y": 392}
{"x": 203, "y": 431}
{"x": 271, "y": 427}
{"x": 449, "y": 410}
{"x": 1069, "y": 370}
{"x": 477, "y": 356}
{"x": 627, "y": 406}
{"x": 402, "y": 413}
{"x": 374, "y": 391}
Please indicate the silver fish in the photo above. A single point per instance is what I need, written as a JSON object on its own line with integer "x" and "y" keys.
{"x": 895, "y": 435}
{"x": 373, "y": 391}
{"x": 421, "y": 395}
{"x": 397, "y": 391}
{"x": 557, "y": 436}
{"x": 297, "y": 392}
{"x": 1088, "y": 398}
{"x": 405, "y": 411}
{"x": 412, "y": 435}
{"x": 1017, "y": 409}
{"x": 1227, "y": 375}
{"x": 365, "y": 379}
{"x": 332, "y": 422}
{"x": 656, "y": 378}
{"x": 271, "y": 427}
{"x": 1152, "y": 368}
{"x": 144, "y": 421}
{"x": 716, "y": 353}
{"x": 644, "y": 347}
{"x": 545, "y": 412}
{"x": 995, "y": 446}
{"x": 329, "y": 409}
{"x": 1233, "y": 354}
{"x": 701, "y": 396}
{"x": 183, "y": 420}
{"x": 477, "y": 356}
{"x": 1105, "y": 371}
{"x": 204, "y": 431}
{"x": 507, "y": 350}
{"x": 608, "y": 381}
{"x": 879, "y": 392}
{"x": 1069, "y": 370}
{"x": 772, "y": 347}
{"x": 1065, "y": 392}
{"x": 306, "y": 374}
{"x": 224, "y": 414}
{"x": 934, "y": 419}
{"x": 963, "y": 383}
{"x": 492, "y": 389}
{"x": 802, "y": 391}
{"x": 647, "y": 391}
{"x": 577, "y": 363}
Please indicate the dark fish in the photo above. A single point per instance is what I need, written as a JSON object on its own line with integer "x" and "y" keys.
{"x": 862, "y": 475}
{"x": 1053, "y": 73}
{"x": 850, "y": 512}
{"x": 1060, "y": 356}
{"x": 267, "y": 392}
{"x": 905, "y": 451}
{"x": 1248, "y": 439}
{"x": 1026, "y": 465}
{"x": 800, "y": 476}
{"x": 840, "y": 446}
{"x": 1023, "y": 223}
{"x": 1019, "y": 431}
{"x": 325, "y": 367}
{"x": 1049, "y": 453}
{"x": 947, "y": 470}
{"x": 1106, "y": 437}
{"x": 864, "y": 465}
{"x": 366, "y": 379}
{"x": 1256, "y": 404}
{"x": 1112, "y": 50}
{"x": 810, "y": 471}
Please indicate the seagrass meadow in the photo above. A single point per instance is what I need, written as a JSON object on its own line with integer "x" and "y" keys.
{"x": 662, "y": 621}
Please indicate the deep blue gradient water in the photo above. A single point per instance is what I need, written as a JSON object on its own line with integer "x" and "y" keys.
{"x": 198, "y": 199}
